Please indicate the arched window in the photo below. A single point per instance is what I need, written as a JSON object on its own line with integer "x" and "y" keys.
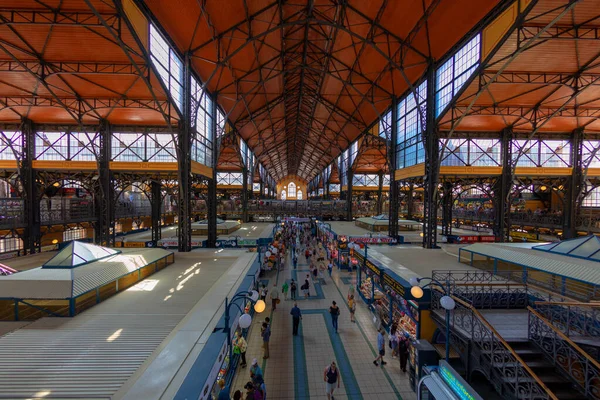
{"x": 292, "y": 190}
{"x": 283, "y": 195}
{"x": 299, "y": 195}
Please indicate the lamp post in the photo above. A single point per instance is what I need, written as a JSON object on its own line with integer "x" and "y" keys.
{"x": 245, "y": 319}
{"x": 355, "y": 246}
{"x": 447, "y": 303}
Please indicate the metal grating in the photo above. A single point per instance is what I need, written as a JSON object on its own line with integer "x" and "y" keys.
{"x": 75, "y": 358}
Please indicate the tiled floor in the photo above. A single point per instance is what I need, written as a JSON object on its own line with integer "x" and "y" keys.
{"x": 353, "y": 348}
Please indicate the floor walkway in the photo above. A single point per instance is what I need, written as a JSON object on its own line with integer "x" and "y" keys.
{"x": 295, "y": 367}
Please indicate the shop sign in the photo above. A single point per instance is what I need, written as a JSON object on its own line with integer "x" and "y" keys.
{"x": 247, "y": 242}
{"x": 524, "y": 235}
{"x": 175, "y": 243}
{"x": 468, "y": 239}
{"x": 393, "y": 284}
{"x": 136, "y": 245}
{"x": 458, "y": 385}
{"x": 373, "y": 268}
{"x": 487, "y": 238}
{"x": 226, "y": 243}
{"x": 373, "y": 240}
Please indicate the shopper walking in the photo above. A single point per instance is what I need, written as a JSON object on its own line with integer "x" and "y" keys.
{"x": 224, "y": 391}
{"x": 330, "y": 267}
{"x": 293, "y": 289}
{"x": 380, "y": 348}
{"x": 255, "y": 370}
{"x": 239, "y": 347}
{"x": 352, "y": 307}
{"x": 334, "y": 310}
{"x": 266, "y": 336}
{"x": 284, "y": 290}
{"x": 263, "y": 293}
{"x": 403, "y": 352}
{"x": 331, "y": 376}
{"x": 274, "y": 297}
{"x": 296, "y": 317}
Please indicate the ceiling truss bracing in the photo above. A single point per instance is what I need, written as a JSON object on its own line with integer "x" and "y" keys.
{"x": 76, "y": 62}
{"x": 301, "y": 80}
{"x": 545, "y": 78}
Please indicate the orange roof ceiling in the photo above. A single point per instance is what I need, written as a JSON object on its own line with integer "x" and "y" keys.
{"x": 549, "y": 82}
{"x": 61, "y": 63}
{"x": 302, "y": 79}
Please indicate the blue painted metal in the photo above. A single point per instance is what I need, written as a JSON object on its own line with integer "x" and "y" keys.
{"x": 202, "y": 366}
{"x": 347, "y": 373}
{"x": 301, "y": 388}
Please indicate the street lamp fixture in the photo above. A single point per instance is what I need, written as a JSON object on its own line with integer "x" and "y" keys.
{"x": 447, "y": 302}
{"x": 245, "y": 319}
{"x": 356, "y": 246}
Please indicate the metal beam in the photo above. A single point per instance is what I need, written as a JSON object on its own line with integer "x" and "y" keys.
{"x": 156, "y": 198}
{"x": 55, "y": 17}
{"x": 575, "y": 187}
{"x": 32, "y": 232}
{"x": 432, "y": 154}
{"x": 104, "y": 190}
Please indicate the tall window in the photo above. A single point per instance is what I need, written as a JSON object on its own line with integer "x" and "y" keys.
{"x": 283, "y": 195}
{"x": 410, "y": 149}
{"x": 299, "y": 195}
{"x": 453, "y": 74}
{"x": 168, "y": 65}
{"x": 292, "y": 190}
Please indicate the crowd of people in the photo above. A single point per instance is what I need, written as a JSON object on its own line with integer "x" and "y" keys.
{"x": 298, "y": 239}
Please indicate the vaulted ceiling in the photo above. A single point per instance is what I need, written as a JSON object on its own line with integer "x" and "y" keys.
{"x": 298, "y": 79}
{"x": 301, "y": 79}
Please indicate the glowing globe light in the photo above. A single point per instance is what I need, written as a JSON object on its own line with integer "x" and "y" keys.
{"x": 416, "y": 292}
{"x": 447, "y": 303}
{"x": 245, "y": 321}
{"x": 260, "y": 306}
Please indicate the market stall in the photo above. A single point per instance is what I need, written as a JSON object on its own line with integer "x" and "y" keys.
{"x": 378, "y": 279}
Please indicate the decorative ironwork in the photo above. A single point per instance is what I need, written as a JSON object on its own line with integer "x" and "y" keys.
{"x": 565, "y": 355}
{"x": 490, "y": 353}
{"x": 572, "y": 320}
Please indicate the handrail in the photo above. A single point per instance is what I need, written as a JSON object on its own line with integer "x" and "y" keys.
{"x": 565, "y": 337}
{"x": 504, "y": 343}
{"x": 567, "y": 303}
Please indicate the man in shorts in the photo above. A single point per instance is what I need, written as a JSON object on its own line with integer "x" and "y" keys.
{"x": 381, "y": 348}
{"x": 331, "y": 376}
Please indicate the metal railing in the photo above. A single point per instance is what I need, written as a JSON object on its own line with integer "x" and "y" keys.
{"x": 66, "y": 210}
{"x": 495, "y": 357}
{"x": 572, "y": 319}
{"x": 565, "y": 354}
{"x": 12, "y": 213}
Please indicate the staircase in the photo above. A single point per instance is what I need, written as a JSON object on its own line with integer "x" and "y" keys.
{"x": 554, "y": 380}
{"x": 521, "y": 354}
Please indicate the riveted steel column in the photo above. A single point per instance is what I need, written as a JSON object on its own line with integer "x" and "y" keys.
{"x": 156, "y": 211}
{"x": 447, "y": 209}
{"x": 350, "y": 177}
{"x": 502, "y": 190}
{"x": 104, "y": 190}
{"x": 184, "y": 160}
{"x": 572, "y": 199}
{"x": 432, "y": 153}
{"x": 212, "y": 184}
{"x": 394, "y": 185}
{"x": 380, "y": 194}
{"x": 32, "y": 232}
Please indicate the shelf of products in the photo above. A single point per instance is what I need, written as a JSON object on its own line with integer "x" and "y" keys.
{"x": 385, "y": 304}
{"x": 365, "y": 288}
